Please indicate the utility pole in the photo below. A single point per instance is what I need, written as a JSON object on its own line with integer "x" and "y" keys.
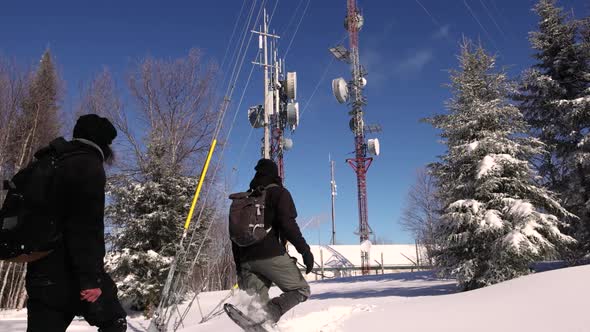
{"x": 267, "y": 98}
{"x": 333, "y": 187}
{"x": 279, "y": 110}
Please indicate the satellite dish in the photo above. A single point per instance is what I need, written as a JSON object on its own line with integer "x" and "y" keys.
{"x": 256, "y": 116}
{"x": 352, "y": 124}
{"x": 373, "y": 146}
{"x": 363, "y": 82}
{"x": 291, "y": 85}
{"x": 287, "y": 144}
{"x": 293, "y": 114}
{"x": 340, "y": 89}
{"x": 358, "y": 21}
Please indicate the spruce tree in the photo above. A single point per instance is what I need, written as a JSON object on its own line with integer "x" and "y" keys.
{"x": 497, "y": 220}
{"x": 45, "y": 93}
{"x": 148, "y": 215}
{"x": 554, "y": 98}
{"x": 39, "y": 120}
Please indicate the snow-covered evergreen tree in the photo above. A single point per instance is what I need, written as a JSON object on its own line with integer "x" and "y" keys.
{"x": 555, "y": 100}
{"x": 165, "y": 140}
{"x": 148, "y": 216}
{"x": 497, "y": 220}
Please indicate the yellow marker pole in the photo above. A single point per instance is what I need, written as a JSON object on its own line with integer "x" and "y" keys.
{"x": 199, "y": 186}
{"x": 158, "y": 320}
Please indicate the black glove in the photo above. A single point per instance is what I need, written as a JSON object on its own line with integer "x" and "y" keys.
{"x": 308, "y": 261}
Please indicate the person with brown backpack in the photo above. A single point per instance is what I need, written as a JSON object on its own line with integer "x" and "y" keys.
{"x": 261, "y": 221}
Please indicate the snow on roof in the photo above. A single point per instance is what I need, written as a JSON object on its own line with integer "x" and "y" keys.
{"x": 342, "y": 256}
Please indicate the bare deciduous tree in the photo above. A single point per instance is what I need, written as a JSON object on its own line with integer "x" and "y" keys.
{"x": 29, "y": 119}
{"x": 166, "y": 130}
{"x": 14, "y": 85}
{"x": 175, "y": 103}
{"x": 219, "y": 271}
{"x": 422, "y": 211}
{"x": 12, "y": 91}
{"x": 99, "y": 96}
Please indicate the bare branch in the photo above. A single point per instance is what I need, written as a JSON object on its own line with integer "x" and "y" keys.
{"x": 174, "y": 101}
{"x": 422, "y": 210}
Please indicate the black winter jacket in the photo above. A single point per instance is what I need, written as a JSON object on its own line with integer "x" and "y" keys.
{"x": 280, "y": 213}
{"x": 81, "y": 200}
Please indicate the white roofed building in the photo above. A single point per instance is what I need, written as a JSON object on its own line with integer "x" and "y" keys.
{"x": 345, "y": 260}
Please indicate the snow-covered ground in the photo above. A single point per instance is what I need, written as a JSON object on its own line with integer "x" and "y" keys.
{"x": 554, "y": 301}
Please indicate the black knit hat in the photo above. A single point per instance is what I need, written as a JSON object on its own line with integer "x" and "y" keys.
{"x": 96, "y": 129}
{"x": 267, "y": 167}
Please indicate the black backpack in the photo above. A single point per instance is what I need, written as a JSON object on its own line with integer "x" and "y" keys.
{"x": 29, "y": 227}
{"x": 246, "y": 217}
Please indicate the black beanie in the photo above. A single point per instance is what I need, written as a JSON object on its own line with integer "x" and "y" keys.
{"x": 95, "y": 129}
{"x": 267, "y": 167}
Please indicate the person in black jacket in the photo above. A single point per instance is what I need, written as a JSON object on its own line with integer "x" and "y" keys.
{"x": 267, "y": 262}
{"x": 71, "y": 280}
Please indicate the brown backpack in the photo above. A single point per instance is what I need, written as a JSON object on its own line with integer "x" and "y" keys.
{"x": 246, "y": 217}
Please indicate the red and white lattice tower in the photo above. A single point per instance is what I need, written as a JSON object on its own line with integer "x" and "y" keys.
{"x": 352, "y": 92}
{"x": 360, "y": 163}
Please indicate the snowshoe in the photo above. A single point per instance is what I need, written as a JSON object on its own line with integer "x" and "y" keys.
{"x": 242, "y": 320}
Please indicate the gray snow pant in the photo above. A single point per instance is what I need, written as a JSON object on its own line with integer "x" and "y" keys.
{"x": 256, "y": 277}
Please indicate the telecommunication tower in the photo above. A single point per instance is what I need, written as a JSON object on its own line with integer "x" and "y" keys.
{"x": 333, "y": 195}
{"x": 351, "y": 92}
{"x": 280, "y": 111}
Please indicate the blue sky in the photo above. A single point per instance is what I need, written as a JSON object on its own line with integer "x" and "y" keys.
{"x": 406, "y": 45}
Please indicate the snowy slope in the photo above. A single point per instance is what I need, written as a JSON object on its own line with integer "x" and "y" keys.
{"x": 553, "y": 301}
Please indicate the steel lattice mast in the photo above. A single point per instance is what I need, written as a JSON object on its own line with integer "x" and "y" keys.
{"x": 352, "y": 92}
{"x": 277, "y": 150}
{"x": 278, "y": 123}
{"x": 360, "y": 163}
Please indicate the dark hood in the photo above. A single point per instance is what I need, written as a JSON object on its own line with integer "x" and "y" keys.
{"x": 97, "y": 130}
{"x": 267, "y": 172}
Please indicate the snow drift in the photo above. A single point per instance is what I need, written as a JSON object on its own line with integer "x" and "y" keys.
{"x": 554, "y": 301}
